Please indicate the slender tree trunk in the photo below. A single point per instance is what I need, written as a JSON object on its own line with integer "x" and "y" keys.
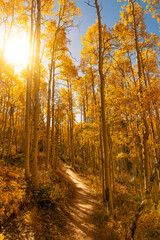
{"x": 48, "y": 119}
{"x": 53, "y": 156}
{"x": 5, "y": 125}
{"x": 28, "y": 103}
{"x": 111, "y": 159}
{"x": 108, "y": 191}
{"x": 102, "y": 160}
{"x": 82, "y": 148}
{"x": 140, "y": 163}
{"x": 36, "y": 92}
{"x": 156, "y": 149}
{"x": 70, "y": 107}
{"x": 72, "y": 138}
{"x": 143, "y": 112}
{"x": 10, "y": 116}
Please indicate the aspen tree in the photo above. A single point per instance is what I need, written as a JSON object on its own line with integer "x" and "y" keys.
{"x": 146, "y": 128}
{"x": 64, "y": 19}
{"x": 36, "y": 97}
{"x": 108, "y": 190}
{"x": 28, "y": 100}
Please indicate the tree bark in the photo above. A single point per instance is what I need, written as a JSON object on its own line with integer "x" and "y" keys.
{"x": 143, "y": 112}
{"x": 48, "y": 118}
{"x": 53, "y": 156}
{"x": 36, "y": 95}
{"x": 28, "y": 103}
{"x": 108, "y": 191}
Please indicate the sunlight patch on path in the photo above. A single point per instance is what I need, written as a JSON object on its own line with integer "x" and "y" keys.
{"x": 81, "y": 208}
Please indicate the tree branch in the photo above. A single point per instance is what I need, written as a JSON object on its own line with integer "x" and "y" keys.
{"x": 89, "y": 4}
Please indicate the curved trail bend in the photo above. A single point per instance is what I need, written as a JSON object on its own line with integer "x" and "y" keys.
{"x": 80, "y": 209}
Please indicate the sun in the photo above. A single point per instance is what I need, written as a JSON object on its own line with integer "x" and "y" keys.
{"x": 17, "y": 50}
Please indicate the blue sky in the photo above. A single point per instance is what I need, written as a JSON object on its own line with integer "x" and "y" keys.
{"x": 110, "y": 15}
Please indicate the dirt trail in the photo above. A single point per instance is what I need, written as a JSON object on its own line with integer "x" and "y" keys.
{"x": 81, "y": 209}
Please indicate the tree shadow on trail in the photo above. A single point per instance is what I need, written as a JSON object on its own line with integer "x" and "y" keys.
{"x": 82, "y": 212}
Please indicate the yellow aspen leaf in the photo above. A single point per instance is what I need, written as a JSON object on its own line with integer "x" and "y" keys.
{"x": 1, "y": 237}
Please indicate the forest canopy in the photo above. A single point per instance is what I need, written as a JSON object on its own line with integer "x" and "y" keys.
{"x": 100, "y": 113}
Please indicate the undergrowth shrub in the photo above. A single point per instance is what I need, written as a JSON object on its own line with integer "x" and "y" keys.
{"x": 148, "y": 227}
{"x": 53, "y": 188}
{"x": 12, "y": 190}
{"x": 48, "y": 195}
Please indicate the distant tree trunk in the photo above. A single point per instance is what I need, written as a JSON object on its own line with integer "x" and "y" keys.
{"x": 14, "y": 131}
{"x": 71, "y": 129}
{"x": 10, "y": 116}
{"x": 82, "y": 147}
{"x": 36, "y": 95}
{"x": 93, "y": 90}
{"x": 110, "y": 156}
{"x": 86, "y": 102}
{"x": 10, "y": 130}
{"x": 145, "y": 152}
{"x": 48, "y": 118}
{"x": 28, "y": 102}
{"x": 70, "y": 114}
{"x": 140, "y": 163}
{"x": 93, "y": 119}
{"x": 108, "y": 191}
{"x": 5, "y": 125}
{"x": 53, "y": 156}
{"x": 102, "y": 160}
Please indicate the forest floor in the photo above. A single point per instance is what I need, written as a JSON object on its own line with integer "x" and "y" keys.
{"x": 63, "y": 209}
{"x": 68, "y": 206}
